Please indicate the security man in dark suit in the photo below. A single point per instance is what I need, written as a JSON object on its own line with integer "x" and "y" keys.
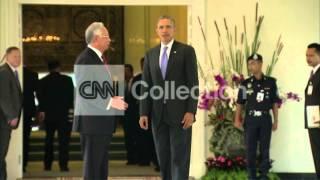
{"x": 312, "y": 98}
{"x": 56, "y": 99}
{"x": 130, "y": 124}
{"x": 30, "y": 87}
{"x": 257, "y": 96}
{"x": 10, "y": 102}
{"x": 145, "y": 144}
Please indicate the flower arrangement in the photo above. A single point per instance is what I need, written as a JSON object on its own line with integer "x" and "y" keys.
{"x": 226, "y": 163}
{"x": 221, "y": 90}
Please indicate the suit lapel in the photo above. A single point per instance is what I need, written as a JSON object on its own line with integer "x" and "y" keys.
{"x": 312, "y": 79}
{"x": 172, "y": 57}
{"x": 156, "y": 56}
{"x": 97, "y": 61}
{"x": 14, "y": 79}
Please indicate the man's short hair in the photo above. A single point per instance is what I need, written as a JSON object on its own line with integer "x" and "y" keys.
{"x": 173, "y": 22}
{"x": 129, "y": 66}
{"x": 8, "y": 50}
{"x": 92, "y": 30}
{"x": 53, "y": 64}
{"x": 11, "y": 48}
{"x": 316, "y": 46}
{"x": 142, "y": 60}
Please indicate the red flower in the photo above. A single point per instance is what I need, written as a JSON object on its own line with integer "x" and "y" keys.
{"x": 229, "y": 163}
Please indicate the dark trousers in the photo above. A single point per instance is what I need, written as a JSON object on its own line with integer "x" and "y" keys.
{"x": 26, "y": 136}
{"x": 314, "y": 135}
{"x": 64, "y": 130}
{"x": 173, "y": 146}
{"x": 258, "y": 130}
{"x": 146, "y": 148}
{"x": 95, "y": 149}
{"x": 5, "y": 135}
{"x": 131, "y": 128}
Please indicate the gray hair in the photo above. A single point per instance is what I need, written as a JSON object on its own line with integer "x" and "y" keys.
{"x": 173, "y": 22}
{"x": 93, "y": 29}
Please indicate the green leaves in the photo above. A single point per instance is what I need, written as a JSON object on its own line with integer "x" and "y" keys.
{"x": 215, "y": 174}
{"x": 275, "y": 57}
{"x": 226, "y": 140}
{"x": 233, "y": 55}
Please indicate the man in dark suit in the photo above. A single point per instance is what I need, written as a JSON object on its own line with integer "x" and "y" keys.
{"x": 170, "y": 66}
{"x": 30, "y": 86}
{"x": 145, "y": 144}
{"x": 312, "y": 98}
{"x": 10, "y": 103}
{"x": 130, "y": 124}
{"x": 56, "y": 99}
{"x": 94, "y": 118}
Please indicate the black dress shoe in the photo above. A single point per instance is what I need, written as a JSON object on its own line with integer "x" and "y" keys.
{"x": 47, "y": 168}
{"x": 144, "y": 164}
{"x": 131, "y": 163}
{"x": 157, "y": 169}
{"x": 64, "y": 169}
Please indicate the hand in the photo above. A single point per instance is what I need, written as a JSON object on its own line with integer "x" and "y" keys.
{"x": 41, "y": 116}
{"x": 237, "y": 123}
{"x": 275, "y": 126}
{"x": 143, "y": 122}
{"x": 188, "y": 120}
{"x": 118, "y": 103}
{"x": 13, "y": 122}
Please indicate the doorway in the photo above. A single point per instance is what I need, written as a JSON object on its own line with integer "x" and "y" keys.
{"x": 55, "y": 31}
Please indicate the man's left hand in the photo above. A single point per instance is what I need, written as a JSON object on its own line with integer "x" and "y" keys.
{"x": 13, "y": 123}
{"x": 274, "y": 126}
{"x": 188, "y": 120}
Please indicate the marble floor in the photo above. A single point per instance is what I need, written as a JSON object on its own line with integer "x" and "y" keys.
{"x": 118, "y": 170}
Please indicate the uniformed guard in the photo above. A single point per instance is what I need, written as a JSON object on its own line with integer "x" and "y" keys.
{"x": 258, "y": 94}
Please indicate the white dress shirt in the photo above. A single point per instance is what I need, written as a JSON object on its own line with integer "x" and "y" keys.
{"x": 12, "y": 68}
{"x": 315, "y": 69}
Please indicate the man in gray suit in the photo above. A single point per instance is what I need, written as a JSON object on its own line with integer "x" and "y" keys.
{"x": 170, "y": 66}
{"x": 10, "y": 102}
{"x": 93, "y": 118}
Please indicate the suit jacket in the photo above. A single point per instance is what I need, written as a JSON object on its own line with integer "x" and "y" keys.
{"x": 10, "y": 97}
{"x": 91, "y": 124}
{"x": 30, "y": 86}
{"x": 182, "y": 71}
{"x": 132, "y": 113}
{"x": 314, "y": 98}
{"x": 56, "y": 96}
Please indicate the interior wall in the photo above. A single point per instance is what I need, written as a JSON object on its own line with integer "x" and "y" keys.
{"x": 298, "y": 23}
{"x": 139, "y": 29}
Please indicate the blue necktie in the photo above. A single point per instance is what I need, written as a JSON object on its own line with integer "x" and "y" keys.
{"x": 164, "y": 62}
{"x": 17, "y": 76}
